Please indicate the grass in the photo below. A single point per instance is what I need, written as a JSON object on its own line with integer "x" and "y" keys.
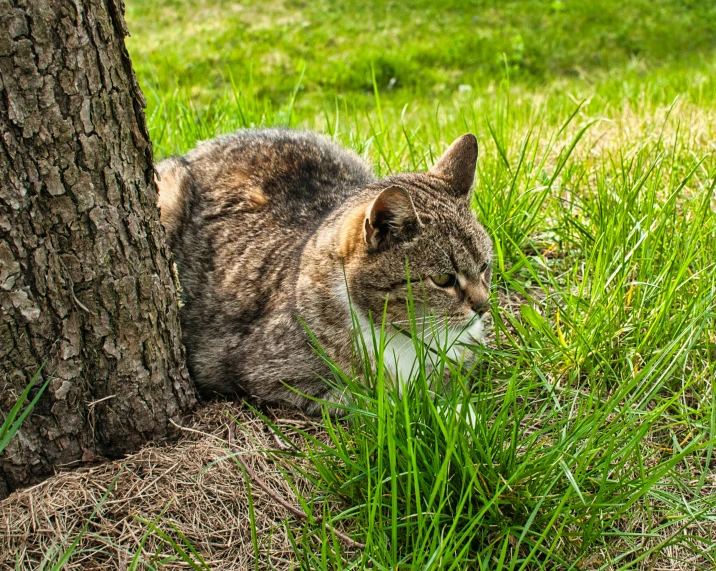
{"x": 584, "y": 437}
{"x": 12, "y": 422}
{"x": 414, "y": 47}
{"x": 211, "y": 66}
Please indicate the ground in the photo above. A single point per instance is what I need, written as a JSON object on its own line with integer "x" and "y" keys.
{"x": 584, "y": 438}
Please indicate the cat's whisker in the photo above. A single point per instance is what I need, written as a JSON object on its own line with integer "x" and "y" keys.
{"x": 417, "y": 321}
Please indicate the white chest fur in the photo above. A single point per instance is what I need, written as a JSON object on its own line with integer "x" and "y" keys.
{"x": 400, "y": 353}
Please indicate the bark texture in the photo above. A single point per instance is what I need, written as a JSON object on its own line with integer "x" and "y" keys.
{"x": 86, "y": 284}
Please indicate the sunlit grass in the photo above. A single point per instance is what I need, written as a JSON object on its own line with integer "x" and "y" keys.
{"x": 415, "y": 49}
{"x": 583, "y": 437}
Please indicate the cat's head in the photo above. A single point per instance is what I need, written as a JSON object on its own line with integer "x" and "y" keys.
{"x": 426, "y": 219}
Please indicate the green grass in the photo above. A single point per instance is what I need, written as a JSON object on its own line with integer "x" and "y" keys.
{"x": 60, "y": 552}
{"x": 194, "y": 58}
{"x": 415, "y": 46}
{"x": 584, "y": 437}
{"x": 12, "y": 422}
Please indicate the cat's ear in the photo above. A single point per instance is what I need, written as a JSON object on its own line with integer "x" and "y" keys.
{"x": 457, "y": 165}
{"x": 390, "y": 217}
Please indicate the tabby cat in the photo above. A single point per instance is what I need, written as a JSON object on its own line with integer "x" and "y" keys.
{"x": 272, "y": 229}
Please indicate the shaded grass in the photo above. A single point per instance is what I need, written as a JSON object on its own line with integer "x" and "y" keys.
{"x": 14, "y": 418}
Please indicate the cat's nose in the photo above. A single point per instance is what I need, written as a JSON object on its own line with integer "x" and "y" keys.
{"x": 480, "y": 306}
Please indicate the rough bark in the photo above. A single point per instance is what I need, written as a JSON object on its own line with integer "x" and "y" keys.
{"x": 86, "y": 285}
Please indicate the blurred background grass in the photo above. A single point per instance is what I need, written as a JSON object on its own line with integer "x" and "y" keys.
{"x": 417, "y": 48}
{"x": 211, "y": 66}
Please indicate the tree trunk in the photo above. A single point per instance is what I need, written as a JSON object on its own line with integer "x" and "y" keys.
{"x": 86, "y": 282}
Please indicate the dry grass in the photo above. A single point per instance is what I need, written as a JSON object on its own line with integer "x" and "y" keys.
{"x": 193, "y": 484}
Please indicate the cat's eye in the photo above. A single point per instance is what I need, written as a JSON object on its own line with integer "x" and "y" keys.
{"x": 444, "y": 280}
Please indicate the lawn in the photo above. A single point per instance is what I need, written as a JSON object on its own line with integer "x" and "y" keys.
{"x": 586, "y": 433}
{"x": 583, "y": 439}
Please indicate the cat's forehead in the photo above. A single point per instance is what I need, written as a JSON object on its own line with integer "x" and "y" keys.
{"x": 453, "y": 242}
{"x": 463, "y": 239}
{"x": 451, "y": 229}
{"x": 456, "y": 223}
{"x": 470, "y": 251}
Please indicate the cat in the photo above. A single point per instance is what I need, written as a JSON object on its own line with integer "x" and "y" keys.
{"x": 273, "y": 230}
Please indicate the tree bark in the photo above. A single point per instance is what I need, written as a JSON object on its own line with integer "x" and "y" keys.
{"x": 86, "y": 281}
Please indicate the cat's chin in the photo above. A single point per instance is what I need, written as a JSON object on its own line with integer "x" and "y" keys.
{"x": 471, "y": 333}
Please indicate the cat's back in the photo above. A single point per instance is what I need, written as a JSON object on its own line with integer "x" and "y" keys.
{"x": 294, "y": 178}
